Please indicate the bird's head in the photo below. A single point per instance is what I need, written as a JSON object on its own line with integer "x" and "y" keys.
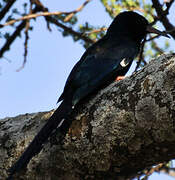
{"x": 132, "y": 25}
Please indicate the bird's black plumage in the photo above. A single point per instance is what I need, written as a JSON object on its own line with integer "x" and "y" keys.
{"x": 99, "y": 66}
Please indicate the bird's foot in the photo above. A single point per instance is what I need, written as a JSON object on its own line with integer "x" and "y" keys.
{"x": 119, "y": 78}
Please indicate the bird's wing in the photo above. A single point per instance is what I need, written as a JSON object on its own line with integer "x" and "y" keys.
{"x": 96, "y": 68}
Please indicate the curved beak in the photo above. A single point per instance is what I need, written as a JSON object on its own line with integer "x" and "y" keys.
{"x": 150, "y": 29}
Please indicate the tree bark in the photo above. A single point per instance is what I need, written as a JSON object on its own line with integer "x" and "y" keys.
{"x": 125, "y": 128}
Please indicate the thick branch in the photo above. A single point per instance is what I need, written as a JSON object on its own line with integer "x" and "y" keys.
{"x": 125, "y": 128}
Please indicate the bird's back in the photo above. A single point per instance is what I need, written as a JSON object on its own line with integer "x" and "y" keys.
{"x": 99, "y": 66}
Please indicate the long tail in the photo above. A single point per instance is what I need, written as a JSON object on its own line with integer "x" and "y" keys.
{"x": 55, "y": 122}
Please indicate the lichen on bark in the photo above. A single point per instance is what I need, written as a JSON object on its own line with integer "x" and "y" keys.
{"x": 125, "y": 128}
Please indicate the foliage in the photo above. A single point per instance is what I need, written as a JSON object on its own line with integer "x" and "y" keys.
{"x": 68, "y": 24}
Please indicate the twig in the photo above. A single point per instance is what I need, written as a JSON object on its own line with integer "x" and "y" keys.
{"x": 154, "y": 21}
{"x": 152, "y": 38}
{"x": 31, "y": 16}
{"x": 70, "y": 30}
{"x": 157, "y": 48}
{"x": 22, "y": 25}
{"x": 10, "y": 40}
{"x": 97, "y": 30}
{"x": 163, "y": 17}
{"x": 15, "y": 34}
{"x": 50, "y": 19}
{"x": 140, "y": 58}
{"x": 168, "y": 5}
{"x": 26, "y": 32}
{"x": 152, "y": 170}
{"x": 7, "y": 59}
{"x": 68, "y": 17}
{"x": 6, "y": 8}
{"x": 171, "y": 30}
{"x": 25, "y": 50}
{"x": 44, "y": 9}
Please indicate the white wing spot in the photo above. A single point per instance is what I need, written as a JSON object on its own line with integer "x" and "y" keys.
{"x": 124, "y": 62}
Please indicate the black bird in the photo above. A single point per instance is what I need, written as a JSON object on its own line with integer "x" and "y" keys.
{"x": 108, "y": 58}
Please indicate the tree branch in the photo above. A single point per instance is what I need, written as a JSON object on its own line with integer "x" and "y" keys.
{"x": 163, "y": 17}
{"x": 168, "y": 5}
{"x": 6, "y": 8}
{"x": 124, "y": 129}
{"x": 40, "y": 7}
{"x": 14, "y": 35}
{"x": 31, "y": 16}
{"x": 69, "y": 30}
{"x": 10, "y": 40}
{"x": 69, "y": 16}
